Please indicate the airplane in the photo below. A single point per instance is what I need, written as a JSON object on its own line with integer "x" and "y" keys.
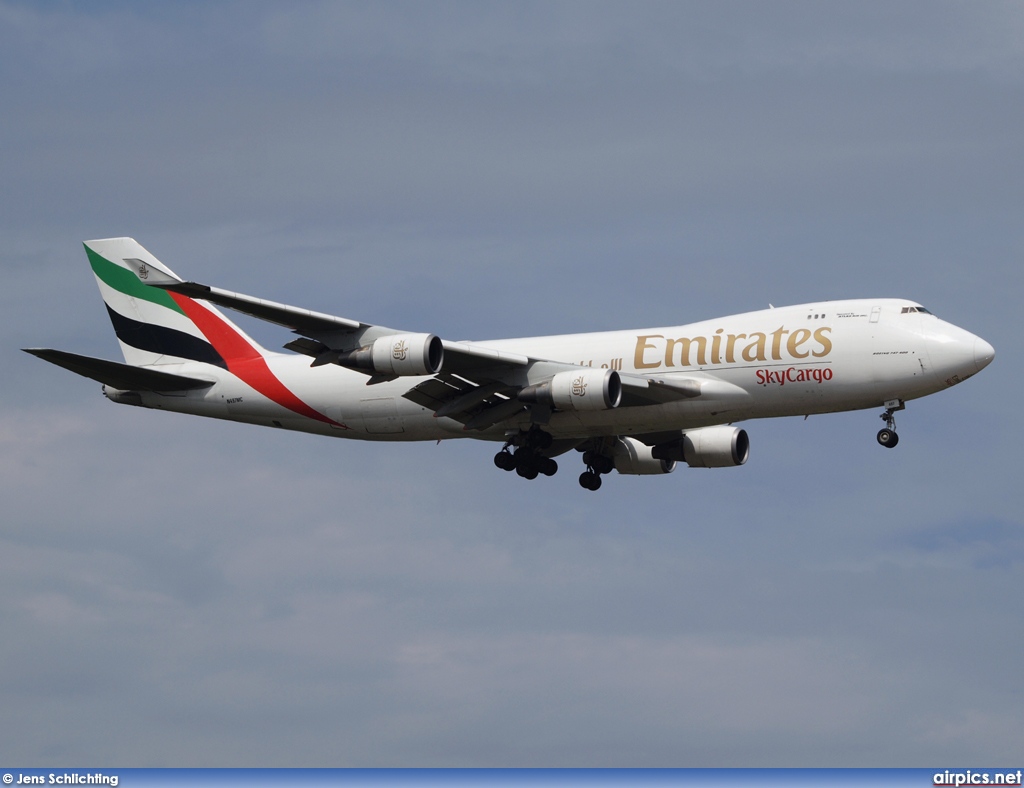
{"x": 636, "y": 402}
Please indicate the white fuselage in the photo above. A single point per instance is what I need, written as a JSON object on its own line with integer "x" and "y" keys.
{"x": 797, "y": 360}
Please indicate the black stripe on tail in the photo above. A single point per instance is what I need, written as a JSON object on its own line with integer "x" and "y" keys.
{"x": 164, "y": 341}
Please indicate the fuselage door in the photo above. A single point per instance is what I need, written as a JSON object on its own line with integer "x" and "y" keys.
{"x": 876, "y": 312}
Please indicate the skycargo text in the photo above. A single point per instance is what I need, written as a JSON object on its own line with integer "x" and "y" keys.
{"x": 781, "y": 377}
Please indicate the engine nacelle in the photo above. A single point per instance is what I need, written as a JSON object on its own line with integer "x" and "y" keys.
{"x": 586, "y": 389}
{"x": 708, "y": 447}
{"x": 408, "y": 354}
{"x": 637, "y": 459}
{"x": 398, "y": 354}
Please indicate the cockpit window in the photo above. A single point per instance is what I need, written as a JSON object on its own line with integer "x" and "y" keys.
{"x": 908, "y": 309}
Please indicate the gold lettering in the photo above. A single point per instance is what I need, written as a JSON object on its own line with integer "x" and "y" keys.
{"x": 757, "y": 345}
{"x": 826, "y": 343}
{"x": 777, "y": 342}
{"x": 680, "y": 352}
{"x": 730, "y": 344}
{"x": 684, "y": 357}
{"x": 643, "y": 344}
{"x": 796, "y": 339}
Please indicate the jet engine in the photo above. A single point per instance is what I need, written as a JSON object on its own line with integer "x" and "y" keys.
{"x": 584, "y": 389}
{"x": 708, "y": 447}
{"x": 637, "y": 459}
{"x": 398, "y": 354}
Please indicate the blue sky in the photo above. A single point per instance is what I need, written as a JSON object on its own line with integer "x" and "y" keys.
{"x": 189, "y": 593}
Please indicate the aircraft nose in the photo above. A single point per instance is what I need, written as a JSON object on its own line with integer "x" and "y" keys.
{"x": 983, "y": 353}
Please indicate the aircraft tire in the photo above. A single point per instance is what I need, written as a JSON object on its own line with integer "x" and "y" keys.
{"x": 526, "y": 464}
{"x": 527, "y": 470}
{"x": 548, "y": 466}
{"x": 888, "y": 438}
{"x": 590, "y": 480}
{"x": 505, "y": 461}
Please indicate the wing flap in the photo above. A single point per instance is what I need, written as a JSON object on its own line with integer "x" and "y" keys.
{"x": 505, "y": 409}
{"x": 468, "y": 400}
{"x": 436, "y": 392}
{"x": 306, "y": 346}
{"x": 477, "y": 405}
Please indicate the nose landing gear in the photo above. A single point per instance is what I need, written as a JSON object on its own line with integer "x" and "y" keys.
{"x": 887, "y": 436}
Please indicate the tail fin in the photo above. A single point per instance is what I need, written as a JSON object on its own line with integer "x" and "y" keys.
{"x": 155, "y": 326}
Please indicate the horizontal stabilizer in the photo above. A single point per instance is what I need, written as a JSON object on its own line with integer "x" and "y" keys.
{"x": 117, "y": 375}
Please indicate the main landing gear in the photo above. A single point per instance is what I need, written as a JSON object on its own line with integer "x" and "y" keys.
{"x": 887, "y": 435}
{"x": 596, "y": 464}
{"x": 524, "y": 453}
{"x": 527, "y": 461}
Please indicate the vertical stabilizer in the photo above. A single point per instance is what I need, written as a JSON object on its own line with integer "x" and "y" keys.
{"x": 155, "y": 326}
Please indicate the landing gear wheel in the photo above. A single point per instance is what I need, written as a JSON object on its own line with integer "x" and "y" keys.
{"x": 505, "y": 460}
{"x": 547, "y": 466}
{"x": 526, "y": 465}
{"x": 528, "y": 471}
{"x": 598, "y": 463}
{"x": 590, "y": 480}
{"x": 888, "y": 438}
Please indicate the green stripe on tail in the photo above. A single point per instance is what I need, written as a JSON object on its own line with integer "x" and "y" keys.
{"x": 124, "y": 281}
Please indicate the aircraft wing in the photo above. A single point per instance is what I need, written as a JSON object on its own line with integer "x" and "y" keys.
{"x": 479, "y": 402}
{"x": 322, "y": 332}
{"x": 302, "y": 321}
{"x": 477, "y": 386}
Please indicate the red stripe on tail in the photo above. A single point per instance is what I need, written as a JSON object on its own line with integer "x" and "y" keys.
{"x": 245, "y": 361}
